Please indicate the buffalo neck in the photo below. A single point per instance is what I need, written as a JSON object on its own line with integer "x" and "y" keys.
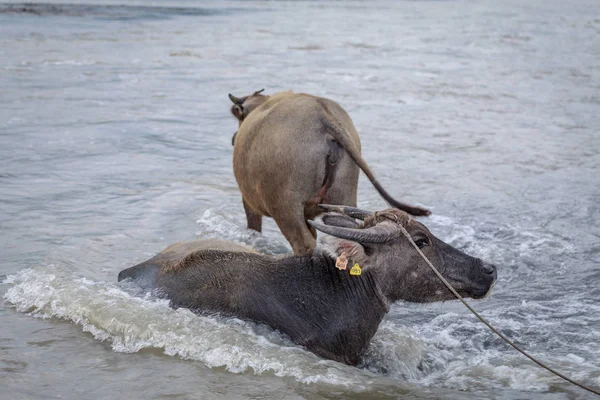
{"x": 362, "y": 288}
{"x": 331, "y": 295}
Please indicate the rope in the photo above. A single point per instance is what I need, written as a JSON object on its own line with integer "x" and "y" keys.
{"x": 507, "y": 340}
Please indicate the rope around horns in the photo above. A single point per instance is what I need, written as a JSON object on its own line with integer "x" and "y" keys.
{"x": 507, "y": 340}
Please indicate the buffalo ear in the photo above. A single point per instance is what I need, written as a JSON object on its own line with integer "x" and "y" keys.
{"x": 237, "y": 111}
{"x": 336, "y": 247}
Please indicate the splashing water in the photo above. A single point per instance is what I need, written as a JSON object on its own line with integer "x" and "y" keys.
{"x": 116, "y": 142}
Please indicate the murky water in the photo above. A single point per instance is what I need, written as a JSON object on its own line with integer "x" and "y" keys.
{"x": 115, "y": 141}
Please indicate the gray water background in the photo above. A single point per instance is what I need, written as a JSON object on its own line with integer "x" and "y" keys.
{"x": 115, "y": 141}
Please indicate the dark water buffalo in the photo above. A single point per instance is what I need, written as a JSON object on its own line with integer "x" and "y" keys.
{"x": 293, "y": 151}
{"x": 330, "y": 311}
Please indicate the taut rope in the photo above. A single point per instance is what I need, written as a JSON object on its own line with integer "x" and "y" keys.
{"x": 507, "y": 340}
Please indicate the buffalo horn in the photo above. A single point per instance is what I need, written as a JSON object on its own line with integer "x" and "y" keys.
{"x": 259, "y": 91}
{"x": 376, "y": 234}
{"x": 335, "y": 219}
{"x": 236, "y": 100}
{"x": 349, "y": 211}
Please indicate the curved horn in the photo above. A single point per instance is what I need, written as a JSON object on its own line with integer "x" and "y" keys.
{"x": 259, "y": 91}
{"x": 335, "y": 219}
{"x": 376, "y": 234}
{"x": 349, "y": 211}
{"x": 236, "y": 100}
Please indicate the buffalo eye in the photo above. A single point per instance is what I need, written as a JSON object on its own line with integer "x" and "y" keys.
{"x": 422, "y": 242}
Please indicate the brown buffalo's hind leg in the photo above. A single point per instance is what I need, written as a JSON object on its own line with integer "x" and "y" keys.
{"x": 295, "y": 229}
{"x": 311, "y": 209}
{"x": 254, "y": 219}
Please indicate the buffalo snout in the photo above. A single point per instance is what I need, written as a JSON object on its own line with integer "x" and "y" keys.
{"x": 484, "y": 280}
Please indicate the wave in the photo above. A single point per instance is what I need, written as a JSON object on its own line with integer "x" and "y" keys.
{"x": 132, "y": 322}
{"x": 426, "y": 346}
{"x": 113, "y": 12}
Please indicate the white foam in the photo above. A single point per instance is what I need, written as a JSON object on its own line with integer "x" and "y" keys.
{"x": 450, "y": 350}
{"x": 132, "y": 323}
{"x": 396, "y": 351}
{"x": 221, "y": 225}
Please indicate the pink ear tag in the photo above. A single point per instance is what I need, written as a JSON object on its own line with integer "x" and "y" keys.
{"x": 341, "y": 262}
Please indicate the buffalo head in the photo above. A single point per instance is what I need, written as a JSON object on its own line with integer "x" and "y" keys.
{"x": 378, "y": 245}
{"x": 242, "y": 106}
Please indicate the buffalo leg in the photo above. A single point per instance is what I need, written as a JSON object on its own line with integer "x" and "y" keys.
{"x": 295, "y": 229}
{"x": 311, "y": 209}
{"x": 254, "y": 219}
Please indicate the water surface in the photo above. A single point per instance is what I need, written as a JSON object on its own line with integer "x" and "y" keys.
{"x": 115, "y": 141}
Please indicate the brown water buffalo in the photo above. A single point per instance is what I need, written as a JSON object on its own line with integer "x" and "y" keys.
{"x": 291, "y": 152}
{"x": 331, "y": 302}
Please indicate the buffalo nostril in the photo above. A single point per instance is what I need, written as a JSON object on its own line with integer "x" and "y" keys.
{"x": 489, "y": 268}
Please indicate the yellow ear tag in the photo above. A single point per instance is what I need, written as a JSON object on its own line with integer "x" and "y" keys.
{"x": 355, "y": 270}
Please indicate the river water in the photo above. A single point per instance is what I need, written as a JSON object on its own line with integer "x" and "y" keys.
{"x": 115, "y": 141}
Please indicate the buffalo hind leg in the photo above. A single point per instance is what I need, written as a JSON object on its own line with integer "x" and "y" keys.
{"x": 254, "y": 219}
{"x": 295, "y": 229}
{"x": 311, "y": 208}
